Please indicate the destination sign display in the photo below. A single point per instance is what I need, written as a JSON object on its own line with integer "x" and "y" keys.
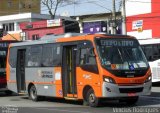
{"x": 117, "y": 42}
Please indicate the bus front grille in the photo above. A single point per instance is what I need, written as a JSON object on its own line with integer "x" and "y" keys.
{"x": 131, "y": 90}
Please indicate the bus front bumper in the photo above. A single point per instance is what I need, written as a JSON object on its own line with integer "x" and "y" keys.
{"x": 110, "y": 90}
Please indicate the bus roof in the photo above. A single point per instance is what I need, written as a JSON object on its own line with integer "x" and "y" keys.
{"x": 149, "y": 41}
{"x": 68, "y": 37}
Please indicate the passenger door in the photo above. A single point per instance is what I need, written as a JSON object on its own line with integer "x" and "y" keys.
{"x": 20, "y": 75}
{"x": 69, "y": 85}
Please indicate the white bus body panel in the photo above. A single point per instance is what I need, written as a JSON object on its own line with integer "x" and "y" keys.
{"x": 154, "y": 65}
{"x": 155, "y": 69}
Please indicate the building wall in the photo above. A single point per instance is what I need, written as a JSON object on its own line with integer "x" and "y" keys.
{"x": 143, "y": 18}
{"x": 97, "y": 23}
{"x": 41, "y": 32}
{"x": 94, "y": 27}
{"x": 37, "y": 29}
{"x": 10, "y": 24}
{"x": 8, "y": 7}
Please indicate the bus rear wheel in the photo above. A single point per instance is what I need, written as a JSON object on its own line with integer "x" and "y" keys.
{"x": 92, "y": 100}
{"x": 33, "y": 93}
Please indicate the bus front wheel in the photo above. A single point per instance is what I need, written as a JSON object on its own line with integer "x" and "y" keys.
{"x": 33, "y": 93}
{"x": 92, "y": 100}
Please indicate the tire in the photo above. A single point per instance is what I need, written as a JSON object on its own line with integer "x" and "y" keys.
{"x": 33, "y": 93}
{"x": 8, "y": 92}
{"x": 92, "y": 100}
{"x": 130, "y": 100}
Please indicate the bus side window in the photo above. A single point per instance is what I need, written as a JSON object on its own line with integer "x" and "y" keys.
{"x": 51, "y": 55}
{"x": 56, "y": 52}
{"x": 47, "y": 58}
{"x": 87, "y": 57}
{"x": 82, "y": 57}
{"x": 34, "y": 56}
{"x": 148, "y": 51}
{"x": 156, "y": 53}
{"x": 88, "y": 60}
{"x": 13, "y": 60}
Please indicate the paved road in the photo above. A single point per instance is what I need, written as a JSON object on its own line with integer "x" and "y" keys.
{"x": 21, "y": 104}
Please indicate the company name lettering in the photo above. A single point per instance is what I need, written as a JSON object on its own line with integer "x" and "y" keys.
{"x": 116, "y": 43}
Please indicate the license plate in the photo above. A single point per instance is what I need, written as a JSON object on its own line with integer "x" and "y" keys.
{"x": 131, "y": 94}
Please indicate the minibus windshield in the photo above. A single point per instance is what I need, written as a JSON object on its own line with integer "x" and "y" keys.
{"x": 121, "y": 54}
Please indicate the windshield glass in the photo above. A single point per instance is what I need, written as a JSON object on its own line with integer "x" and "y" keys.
{"x": 121, "y": 54}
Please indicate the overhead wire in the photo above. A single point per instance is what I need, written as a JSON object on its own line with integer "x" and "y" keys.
{"x": 141, "y": 1}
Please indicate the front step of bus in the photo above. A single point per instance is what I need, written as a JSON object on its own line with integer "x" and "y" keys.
{"x": 70, "y": 98}
{"x": 22, "y": 92}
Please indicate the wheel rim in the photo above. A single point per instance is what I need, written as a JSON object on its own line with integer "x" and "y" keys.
{"x": 91, "y": 98}
{"x": 33, "y": 93}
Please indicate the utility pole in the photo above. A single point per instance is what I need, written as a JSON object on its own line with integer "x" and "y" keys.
{"x": 113, "y": 18}
{"x": 123, "y": 18}
{"x": 19, "y": 7}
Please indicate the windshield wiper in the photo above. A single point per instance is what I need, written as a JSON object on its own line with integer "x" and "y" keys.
{"x": 130, "y": 57}
{"x": 120, "y": 54}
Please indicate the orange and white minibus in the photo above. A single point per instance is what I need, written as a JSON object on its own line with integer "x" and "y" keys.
{"x": 80, "y": 67}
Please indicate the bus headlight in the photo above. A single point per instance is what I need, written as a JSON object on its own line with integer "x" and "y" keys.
{"x": 108, "y": 79}
{"x": 148, "y": 79}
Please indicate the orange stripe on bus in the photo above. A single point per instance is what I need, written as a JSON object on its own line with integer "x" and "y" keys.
{"x": 40, "y": 82}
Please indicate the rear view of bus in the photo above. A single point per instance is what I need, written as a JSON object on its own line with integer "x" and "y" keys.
{"x": 80, "y": 67}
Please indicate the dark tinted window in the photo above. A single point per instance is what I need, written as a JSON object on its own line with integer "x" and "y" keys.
{"x": 34, "y": 56}
{"x": 51, "y": 55}
{"x": 121, "y": 54}
{"x": 85, "y": 57}
{"x": 88, "y": 60}
{"x": 56, "y": 55}
{"x": 152, "y": 52}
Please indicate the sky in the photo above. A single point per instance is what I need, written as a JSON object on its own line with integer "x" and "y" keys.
{"x": 84, "y": 7}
